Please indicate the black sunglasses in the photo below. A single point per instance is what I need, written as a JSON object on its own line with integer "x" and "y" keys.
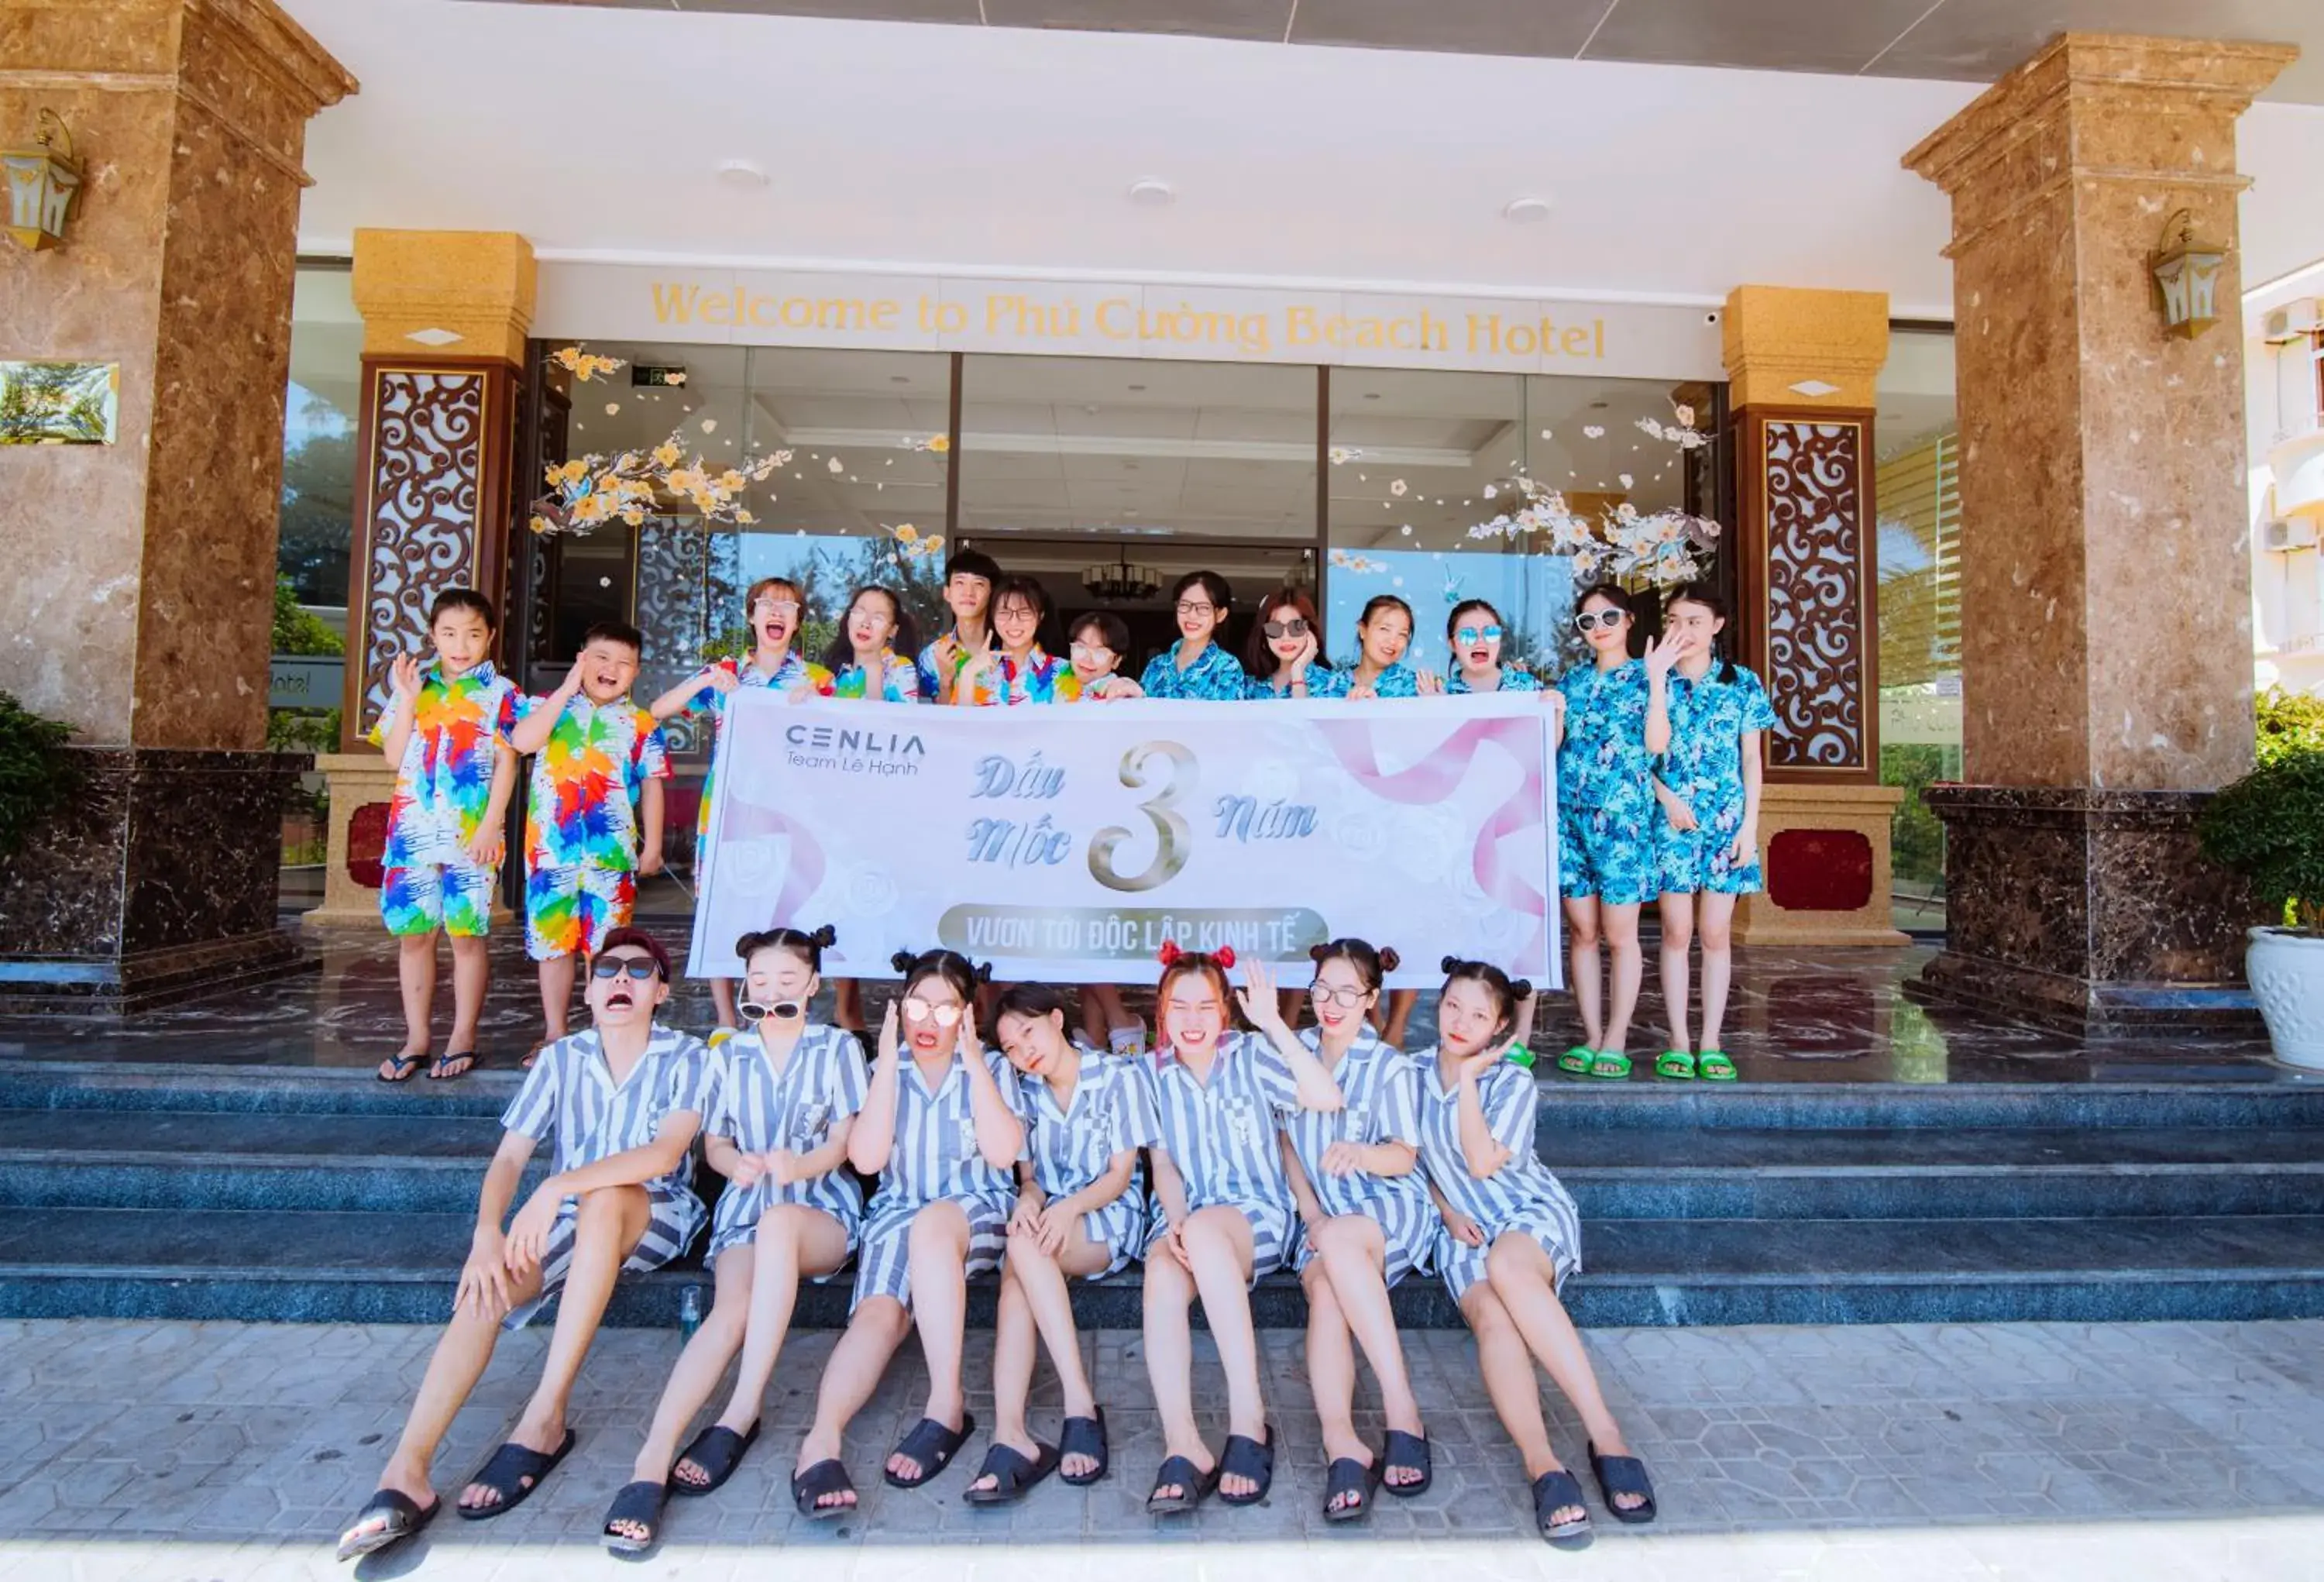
{"x": 1294, "y": 627}
{"x": 637, "y": 967}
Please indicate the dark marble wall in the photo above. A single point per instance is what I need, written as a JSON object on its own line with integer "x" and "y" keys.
{"x": 2088, "y": 907}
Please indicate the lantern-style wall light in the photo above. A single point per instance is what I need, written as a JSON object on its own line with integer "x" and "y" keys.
{"x": 41, "y": 185}
{"x": 2187, "y": 277}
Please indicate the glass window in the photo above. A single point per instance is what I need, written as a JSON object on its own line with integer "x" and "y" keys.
{"x": 1918, "y": 495}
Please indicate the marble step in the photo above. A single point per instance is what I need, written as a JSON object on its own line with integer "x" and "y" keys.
{"x": 327, "y": 1267}
{"x": 408, "y": 1164}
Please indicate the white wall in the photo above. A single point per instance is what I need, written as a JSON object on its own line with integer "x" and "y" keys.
{"x": 2280, "y": 404}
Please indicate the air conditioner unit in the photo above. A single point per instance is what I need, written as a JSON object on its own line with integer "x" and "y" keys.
{"x": 2293, "y": 321}
{"x": 2286, "y": 533}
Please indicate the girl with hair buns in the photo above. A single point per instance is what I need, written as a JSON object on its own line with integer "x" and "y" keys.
{"x": 1367, "y": 1222}
{"x": 940, "y": 1128}
{"x": 1080, "y": 1214}
{"x": 1222, "y": 1211}
{"x": 1510, "y": 1237}
{"x": 780, "y": 1107}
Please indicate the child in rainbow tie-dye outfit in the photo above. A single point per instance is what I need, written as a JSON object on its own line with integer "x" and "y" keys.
{"x": 593, "y": 813}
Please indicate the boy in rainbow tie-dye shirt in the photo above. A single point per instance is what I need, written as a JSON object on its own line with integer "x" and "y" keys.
{"x": 593, "y": 811}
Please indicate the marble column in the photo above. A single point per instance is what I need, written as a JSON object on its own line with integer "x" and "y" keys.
{"x": 2103, "y": 513}
{"x": 138, "y": 597}
{"x": 1800, "y": 366}
{"x": 445, "y": 315}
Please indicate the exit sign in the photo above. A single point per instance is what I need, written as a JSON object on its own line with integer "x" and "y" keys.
{"x": 656, "y": 375}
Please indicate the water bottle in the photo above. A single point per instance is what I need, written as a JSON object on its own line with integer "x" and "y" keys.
{"x": 689, "y": 1311}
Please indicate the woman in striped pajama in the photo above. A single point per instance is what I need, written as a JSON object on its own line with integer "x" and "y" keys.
{"x": 1510, "y": 1237}
{"x": 940, "y": 1129}
{"x": 1080, "y": 1214}
{"x": 782, "y": 1103}
{"x": 1367, "y": 1222}
{"x": 1222, "y": 1212}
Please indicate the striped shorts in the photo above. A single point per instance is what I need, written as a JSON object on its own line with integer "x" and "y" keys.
{"x": 675, "y": 1219}
{"x": 1119, "y": 1228}
{"x": 883, "y": 1256}
{"x": 1274, "y": 1239}
{"x": 734, "y": 1221}
{"x": 1557, "y": 1226}
{"x": 1410, "y": 1226}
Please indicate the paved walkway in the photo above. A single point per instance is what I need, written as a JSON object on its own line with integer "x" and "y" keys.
{"x": 2037, "y": 1451}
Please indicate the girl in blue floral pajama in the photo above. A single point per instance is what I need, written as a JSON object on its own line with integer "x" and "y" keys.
{"x": 1617, "y": 721}
{"x": 1707, "y": 836}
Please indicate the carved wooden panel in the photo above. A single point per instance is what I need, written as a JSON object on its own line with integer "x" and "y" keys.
{"x": 1810, "y": 510}
{"x": 425, "y": 450}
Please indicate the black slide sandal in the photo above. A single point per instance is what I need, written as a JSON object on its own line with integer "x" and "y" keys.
{"x": 1194, "y": 1485}
{"x": 515, "y": 1474}
{"x": 1553, "y": 1492}
{"x": 1250, "y": 1458}
{"x": 1348, "y": 1475}
{"x": 404, "y": 1520}
{"x": 824, "y": 1477}
{"x": 933, "y": 1446}
{"x": 1409, "y": 1452}
{"x": 1012, "y": 1476}
{"x": 1085, "y": 1436}
{"x": 1623, "y": 1475}
{"x": 638, "y": 1503}
{"x": 718, "y": 1451}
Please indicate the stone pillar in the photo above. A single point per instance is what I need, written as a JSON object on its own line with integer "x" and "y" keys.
{"x": 138, "y": 597}
{"x": 2103, "y": 511}
{"x": 445, "y": 315}
{"x": 1802, "y": 366}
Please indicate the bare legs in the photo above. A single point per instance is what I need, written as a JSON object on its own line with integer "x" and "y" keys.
{"x": 939, "y": 1247}
{"x": 873, "y": 1332}
{"x": 1509, "y": 1380}
{"x": 1525, "y": 1279}
{"x": 556, "y": 995}
{"x": 1037, "y": 1310}
{"x": 1587, "y": 920}
{"x": 1717, "y": 916}
{"x": 1352, "y": 1250}
{"x": 1218, "y": 1266}
{"x": 705, "y": 1357}
{"x": 722, "y": 995}
{"x": 1678, "y": 940}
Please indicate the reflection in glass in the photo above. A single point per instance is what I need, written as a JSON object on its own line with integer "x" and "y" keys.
{"x": 316, "y": 531}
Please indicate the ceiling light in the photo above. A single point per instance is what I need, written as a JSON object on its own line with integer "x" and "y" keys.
{"x": 743, "y": 174}
{"x": 1152, "y": 192}
{"x": 1526, "y": 211}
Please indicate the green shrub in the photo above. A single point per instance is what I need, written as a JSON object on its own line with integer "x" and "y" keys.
{"x": 2269, "y": 828}
{"x": 35, "y": 771}
{"x": 2288, "y": 721}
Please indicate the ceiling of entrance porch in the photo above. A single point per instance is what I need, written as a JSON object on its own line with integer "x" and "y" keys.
{"x": 1967, "y": 40}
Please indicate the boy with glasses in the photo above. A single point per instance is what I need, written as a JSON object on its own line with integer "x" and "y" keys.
{"x": 623, "y": 1102}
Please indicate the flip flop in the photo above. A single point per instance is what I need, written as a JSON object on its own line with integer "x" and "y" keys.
{"x": 514, "y": 1473}
{"x": 1575, "y": 1061}
{"x": 1717, "y": 1067}
{"x": 1675, "y": 1064}
{"x": 1250, "y": 1458}
{"x": 824, "y": 1477}
{"x": 718, "y": 1451}
{"x": 1551, "y": 1493}
{"x": 1348, "y": 1475}
{"x": 1085, "y": 1436}
{"x": 1409, "y": 1451}
{"x": 933, "y": 1446}
{"x": 441, "y": 1071}
{"x": 1624, "y": 1475}
{"x": 1012, "y": 1474}
{"x": 640, "y": 1502}
{"x": 405, "y": 1518}
{"x": 1194, "y": 1486}
{"x": 403, "y": 1066}
{"x": 1612, "y": 1065}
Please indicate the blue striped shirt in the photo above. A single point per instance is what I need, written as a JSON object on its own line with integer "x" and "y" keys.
{"x": 1221, "y": 1134}
{"x": 758, "y": 1108}
{"x": 935, "y": 1154}
{"x": 1380, "y": 1091}
{"x": 570, "y": 1094}
{"x": 1511, "y": 1100}
{"x": 1111, "y": 1112}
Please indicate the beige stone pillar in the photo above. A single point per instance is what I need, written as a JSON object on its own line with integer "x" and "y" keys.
{"x": 2103, "y": 511}
{"x": 1802, "y": 366}
{"x": 445, "y": 314}
{"x": 137, "y": 600}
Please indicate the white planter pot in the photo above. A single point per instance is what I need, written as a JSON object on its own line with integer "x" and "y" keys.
{"x": 2287, "y": 979}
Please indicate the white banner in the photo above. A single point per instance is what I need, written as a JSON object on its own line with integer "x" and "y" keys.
{"x": 1065, "y": 843}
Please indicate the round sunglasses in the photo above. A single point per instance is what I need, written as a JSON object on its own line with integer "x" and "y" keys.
{"x": 1609, "y": 619}
{"x": 918, "y": 1010}
{"x": 1477, "y": 635}
{"x": 1294, "y": 627}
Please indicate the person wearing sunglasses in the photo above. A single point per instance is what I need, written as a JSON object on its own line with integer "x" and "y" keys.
{"x": 781, "y": 1102}
{"x": 1196, "y": 667}
{"x": 1475, "y": 633}
{"x": 1098, "y": 643}
{"x": 941, "y": 1128}
{"x": 1285, "y": 653}
{"x": 1616, "y": 723}
{"x": 1367, "y": 1222}
{"x": 620, "y": 1104}
{"x": 773, "y": 605}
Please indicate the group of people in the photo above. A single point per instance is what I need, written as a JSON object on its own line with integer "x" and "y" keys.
{"x": 1658, "y": 775}
{"x": 1240, "y": 1147}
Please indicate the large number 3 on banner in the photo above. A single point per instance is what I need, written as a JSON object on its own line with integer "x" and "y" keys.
{"x": 1172, "y": 838}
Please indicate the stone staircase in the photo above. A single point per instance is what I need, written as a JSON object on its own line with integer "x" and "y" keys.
{"x": 271, "y": 1194}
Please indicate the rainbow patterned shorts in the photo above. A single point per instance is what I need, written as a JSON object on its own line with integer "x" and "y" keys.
{"x": 569, "y": 912}
{"x": 456, "y": 897}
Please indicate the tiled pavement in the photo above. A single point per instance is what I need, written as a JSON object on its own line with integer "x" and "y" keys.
{"x": 2182, "y": 1450}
